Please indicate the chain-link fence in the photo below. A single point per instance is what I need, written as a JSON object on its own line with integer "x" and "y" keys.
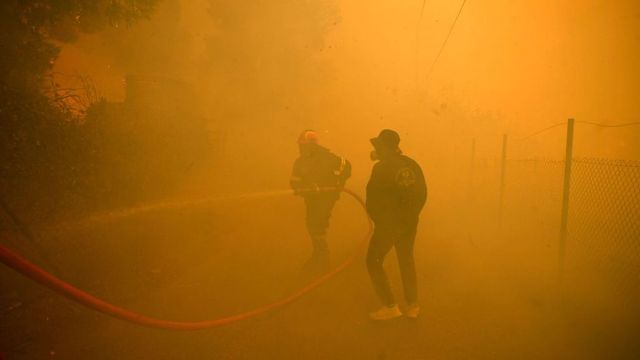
{"x": 603, "y": 243}
{"x": 598, "y": 246}
{"x": 596, "y": 255}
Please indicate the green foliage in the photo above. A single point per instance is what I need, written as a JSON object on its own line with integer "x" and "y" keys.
{"x": 28, "y": 29}
{"x": 46, "y": 159}
{"x": 61, "y": 18}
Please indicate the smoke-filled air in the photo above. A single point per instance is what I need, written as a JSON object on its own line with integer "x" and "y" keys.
{"x": 319, "y": 179}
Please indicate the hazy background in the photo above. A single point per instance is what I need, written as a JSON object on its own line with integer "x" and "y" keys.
{"x": 510, "y": 66}
{"x": 192, "y": 98}
{"x": 262, "y": 71}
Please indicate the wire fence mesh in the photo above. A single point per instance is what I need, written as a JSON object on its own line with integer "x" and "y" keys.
{"x": 604, "y": 225}
{"x": 602, "y": 253}
{"x": 604, "y": 215}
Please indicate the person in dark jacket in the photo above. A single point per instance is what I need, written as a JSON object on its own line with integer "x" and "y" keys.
{"x": 396, "y": 193}
{"x": 318, "y": 176}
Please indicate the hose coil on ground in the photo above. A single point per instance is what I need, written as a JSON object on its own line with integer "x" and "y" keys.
{"x": 39, "y": 275}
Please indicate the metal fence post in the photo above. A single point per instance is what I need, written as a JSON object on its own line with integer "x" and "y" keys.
{"x": 565, "y": 197}
{"x": 472, "y": 168}
{"x": 503, "y": 169}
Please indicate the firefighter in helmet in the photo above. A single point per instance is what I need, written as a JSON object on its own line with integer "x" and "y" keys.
{"x": 318, "y": 176}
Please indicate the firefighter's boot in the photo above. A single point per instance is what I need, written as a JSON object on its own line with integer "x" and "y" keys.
{"x": 319, "y": 260}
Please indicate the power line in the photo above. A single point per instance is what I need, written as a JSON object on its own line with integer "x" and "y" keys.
{"x": 417, "y": 80}
{"x": 542, "y": 130}
{"x": 608, "y": 125}
{"x": 446, "y": 40}
{"x": 424, "y": 2}
{"x": 580, "y": 122}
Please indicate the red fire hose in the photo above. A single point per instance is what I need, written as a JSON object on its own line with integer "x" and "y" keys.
{"x": 37, "y": 274}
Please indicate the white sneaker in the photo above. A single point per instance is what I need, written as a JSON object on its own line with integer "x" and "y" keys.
{"x": 386, "y": 313}
{"x": 412, "y": 311}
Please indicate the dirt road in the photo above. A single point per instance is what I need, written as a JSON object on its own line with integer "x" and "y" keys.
{"x": 207, "y": 262}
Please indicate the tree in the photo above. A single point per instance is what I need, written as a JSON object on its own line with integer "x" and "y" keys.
{"x": 39, "y": 147}
{"x": 30, "y": 28}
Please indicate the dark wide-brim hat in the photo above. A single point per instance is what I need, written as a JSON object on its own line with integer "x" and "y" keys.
{"x": 387, "y": 139}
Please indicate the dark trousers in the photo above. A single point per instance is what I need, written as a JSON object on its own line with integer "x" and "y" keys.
{"x": 400, "y": 235}
{"x": 319, "y": 207}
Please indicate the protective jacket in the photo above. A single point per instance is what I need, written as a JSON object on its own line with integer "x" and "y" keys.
{"x": 319, "y": 169}
{"x": 397, "y": 191}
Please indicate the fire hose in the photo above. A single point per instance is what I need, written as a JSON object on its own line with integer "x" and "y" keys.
{"x": 39, "y": 275}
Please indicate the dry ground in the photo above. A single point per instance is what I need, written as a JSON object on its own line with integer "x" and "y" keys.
{"x": 210, "y": 261}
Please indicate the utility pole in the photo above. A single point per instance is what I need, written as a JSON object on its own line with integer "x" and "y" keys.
{"x": 472, "y": 168}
